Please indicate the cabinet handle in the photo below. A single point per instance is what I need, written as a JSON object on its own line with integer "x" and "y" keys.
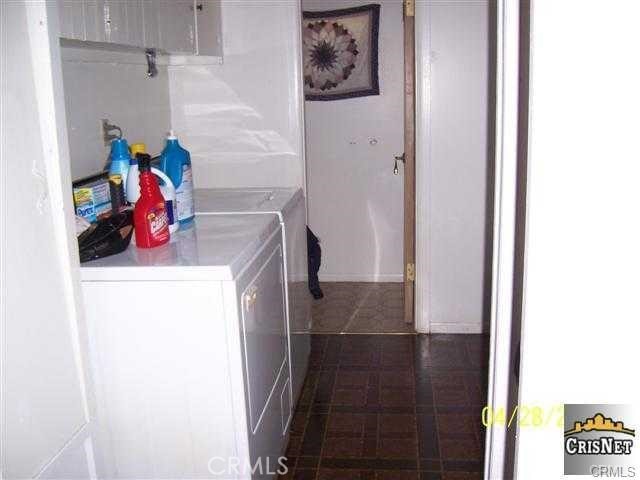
{"x": 199, "y": 7}
{"x": 395, "y": 165}
{"x": 152, "y": 70}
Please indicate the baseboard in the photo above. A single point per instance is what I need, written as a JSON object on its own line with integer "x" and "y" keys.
{"x": 456, "y": 328}
{"x": 328, "y": 277}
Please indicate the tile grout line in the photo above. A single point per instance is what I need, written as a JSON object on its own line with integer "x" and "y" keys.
{"x": 435, "y": 422}
{"x": 366, "y": 403}
{"x": 330, "y": 411}
{"x": 309, "y": 411}
{"x": 415, "y": 406}
{"x": 307, "y": 415}
{"x": 345, "y": 328}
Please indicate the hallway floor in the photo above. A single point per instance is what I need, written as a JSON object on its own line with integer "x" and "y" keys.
{"x": 360, "y": 307}
{"x": 382, "y": 407}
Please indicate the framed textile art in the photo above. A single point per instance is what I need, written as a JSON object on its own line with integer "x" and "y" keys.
{"x": 340, "y": 49}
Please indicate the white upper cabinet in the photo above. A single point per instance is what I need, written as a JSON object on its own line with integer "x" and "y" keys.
{"x": 115, "y": 21}
{"x": 184, "y": 27}
{"x": 177, "y": 25}
{"x": 151, "y": 23}
{"x": 209, "y": 32}
{"x": 71, "y": 15}
{"x": 135, "y": 22}
{"x": 93, "y": 20}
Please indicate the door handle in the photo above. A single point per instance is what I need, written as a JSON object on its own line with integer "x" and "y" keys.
{"x": 395, "y": 164}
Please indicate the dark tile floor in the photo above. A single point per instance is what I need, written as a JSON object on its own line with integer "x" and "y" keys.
{"x": 382, "y": 407}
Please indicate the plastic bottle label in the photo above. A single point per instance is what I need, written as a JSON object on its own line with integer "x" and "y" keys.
{"x": 184, "y": 195}
{"x": 172, "y": 211}
{"x": 158, "y": 221}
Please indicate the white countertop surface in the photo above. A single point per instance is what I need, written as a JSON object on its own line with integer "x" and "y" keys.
{"x": 216, "y": 247}
{"x": 246, "y": 200}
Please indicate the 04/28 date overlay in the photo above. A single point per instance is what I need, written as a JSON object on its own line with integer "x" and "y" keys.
{"x": 524, "y": 416}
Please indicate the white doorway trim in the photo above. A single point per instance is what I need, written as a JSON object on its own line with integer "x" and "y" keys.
{"x": 423, "y": 173}
{"x": 507, "y": 91}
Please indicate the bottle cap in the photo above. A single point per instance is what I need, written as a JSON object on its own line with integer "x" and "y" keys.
{"x": 144, "y": 162}
{"x": 119, "y": 149}
{"x": 137, "y": 148}
{"x": 171, "y": 135}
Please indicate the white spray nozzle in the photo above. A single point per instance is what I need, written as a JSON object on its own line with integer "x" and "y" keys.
{"x": 172, "y": 135}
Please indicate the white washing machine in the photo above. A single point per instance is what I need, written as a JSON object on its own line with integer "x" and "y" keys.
{"x": 289, "y": 205}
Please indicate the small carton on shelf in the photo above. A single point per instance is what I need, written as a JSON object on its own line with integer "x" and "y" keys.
{"x": 92, "y": 196}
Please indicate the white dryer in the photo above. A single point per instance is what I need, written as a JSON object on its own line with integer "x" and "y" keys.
{"x": 289, "y": 205}
{"x": 188, "y": 347}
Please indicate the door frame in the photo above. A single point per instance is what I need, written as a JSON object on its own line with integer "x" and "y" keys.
{"x": 422, "y": 43}
{"x": 409, "y": 220}
{"x": 509, "y": 221}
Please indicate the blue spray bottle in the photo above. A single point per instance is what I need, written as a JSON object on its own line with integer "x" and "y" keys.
{"x": 175, "y": 162}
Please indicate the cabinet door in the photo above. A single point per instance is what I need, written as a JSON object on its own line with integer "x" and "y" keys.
{"x": 135, "y": 23}
{"x": 151, "y": 23}
{"x": 115, "y": 21}
{"x": 93, "y": 20}
{"x": 209, "y": 22}
{"x": 177, "y": 25}
{"x": 71, "y": 17}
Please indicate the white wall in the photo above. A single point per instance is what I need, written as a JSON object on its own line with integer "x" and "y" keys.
{"x": 103, "y": 84}
{"x": 581, "y": 305}
{"x": 45, "y": 422}
{"x": 355, "y": 200}
{"x": 242, "y": 120}
{"x": 451, "y": 161}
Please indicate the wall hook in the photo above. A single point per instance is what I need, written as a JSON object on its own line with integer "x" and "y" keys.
{"x": 150, "y": 53}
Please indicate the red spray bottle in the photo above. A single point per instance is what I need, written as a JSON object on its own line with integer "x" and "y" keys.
{"x": 150, "y": 217}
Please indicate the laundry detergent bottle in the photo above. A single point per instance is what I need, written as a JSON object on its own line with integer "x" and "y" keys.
{"x": 119, "y": 160}
{"x": 175, "y": 162}
{"x": 150, "y": 217}
{"x": 132, "y": 188}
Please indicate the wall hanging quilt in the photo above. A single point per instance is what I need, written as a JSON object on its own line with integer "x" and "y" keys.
{"x": 341, "y": 53}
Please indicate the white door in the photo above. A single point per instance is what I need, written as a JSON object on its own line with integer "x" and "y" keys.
{"x": 45, "y": 420}
{"x": 355, "y": 200}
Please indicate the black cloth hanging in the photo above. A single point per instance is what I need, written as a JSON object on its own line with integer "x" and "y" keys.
{"x": 314, "y": 253}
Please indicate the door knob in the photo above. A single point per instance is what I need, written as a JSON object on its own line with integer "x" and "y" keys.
{"x": 395, "y": 164}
